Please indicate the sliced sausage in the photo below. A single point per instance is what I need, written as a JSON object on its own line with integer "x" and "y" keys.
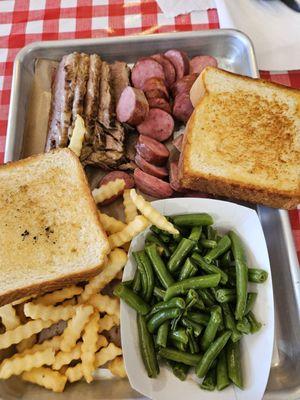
{"x": 180, "y": 61}
{"x": 184, "y": 84}
{"x": 111, "y": 176}
{"x": 168, "y": 67}
{"x": 152, "y": 150}
{"x": 174, "y": 180}
{"x": 155, "y": 93}
{"x": 159, "y": 125}
{"x": 159, "y": 172}
{"x": 198, "y": 63}
{"x": 145, "y": 69}
{"x": 151, "y": 185}
{"x": 177, "y": 143}
{"x": 158, "y": 102}
{"x": 156, "y": 84}
{"x": 132, "y": 106}
{"x": 183, "y": 107}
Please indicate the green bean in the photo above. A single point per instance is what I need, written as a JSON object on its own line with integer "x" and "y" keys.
{"x": 197, "y": 328}
{"x": 193, "y": 219}
{"x": 211, "y": 328}
{"x": 172, "y": 247}
{"x": 230, "y": 322}
{"x": 160, "y": 293}
{"x": 152, "y": 238}
{"x": 160, "y": 317}
{"x": 193, "y": 300}
{"x": 241, "y": 274}
{"x": 159, "y": 267}
{"x": 257, "y": 275}
{"x": 222, "y": 371}
{"x": 132, "y": 299}
{"x": 250, "y": 301}
{"x": 200, "y": 318}
{"x": 211, "y": 354}
{"x": 225, "y": 295}
{"x": 210, "y": 268}
{"x": 180, "y": 370}
{"x": 136, "y": 284}
{"x": 208, "y": 244}
{"x": 255, "y": 325}
{"x": 225, "y": 259}
{"x": 128, "y": 283}
{"x": 207, "y": 298}
{"x": 179, "y": 335}
{"x": 175, "y": 302}
{"x": 144, "y": 283}
{"x": 147, "y": 348}
{"x": 195, "y": 233}
{"x": 222, "y": 246}
{"x": 234, "y": 363}
{"x": 211, "y": 233}
{"x": 163, "y": 235}
{"x": 188, "y": 270}
{"x": 183, "y": 249}
{"x": 209, "y": 382}
{"x": 178, "y": 345}
{"x": 144, "y": 264}
{"x": 162, "y": 334}
{"x": 193, "y": 345}
{"x": 179, "y": 356}
{"x": 198, "y": 282}
{"x": 244, "y": 326}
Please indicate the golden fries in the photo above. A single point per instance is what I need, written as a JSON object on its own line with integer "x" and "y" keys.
{"x": 74, "y": 373}
{"x": 129, "y": 207}
{"x": 75, "y": 327}
{"x": 107, "y": 322}
{"x": 53, "y": 343}
{"x": 20, "y": 363}
{"x": 89, "y": 346}
{"x": 151, "y": 213}
{"x": 22, "y": 332}
{"x": 53, "y": 313}
{"x": 111, "y": 224}
{"x": 47, "y": 378}
{"x": 58, "y": 296}
{"x": 104, "y": 303}
{"x": 77, "y": 137}
{"x": 63, "y": 358}
{"x": 107, "y": 354}
{"x": 117, "y": 367}
{"x": 9, "y": 317}
{"x": 108, "y": 190}
{"x": 26, "y": 343}
{"x": 134, "y": 227}
{"x": 116, "y": 261}
{"x": 101, "y": 342}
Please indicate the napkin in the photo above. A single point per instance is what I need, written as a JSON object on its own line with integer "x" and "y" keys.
{"x": 172, "y": 8}
{"x": 273, "y": 28}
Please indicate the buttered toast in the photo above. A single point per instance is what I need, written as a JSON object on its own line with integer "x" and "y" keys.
{"x": 243, "y": 140}
{"x": 50, "y": 233}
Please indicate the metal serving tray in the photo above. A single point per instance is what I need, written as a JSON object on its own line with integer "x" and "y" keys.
{"x": 234, "y": 52}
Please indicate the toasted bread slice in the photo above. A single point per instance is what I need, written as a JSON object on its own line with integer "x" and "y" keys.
{"x": 243, "y": 140}
{"x": 50, "y": 234}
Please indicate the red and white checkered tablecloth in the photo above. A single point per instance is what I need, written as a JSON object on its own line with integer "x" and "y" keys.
{"x": 26, "y": 21}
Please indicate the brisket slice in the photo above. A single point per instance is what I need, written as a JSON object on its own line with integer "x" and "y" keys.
{"x": 92, "y": 93}
{"x": 62, "y": 100}
{"x": 120, "y": 73}
{"x": 106, "y": 106}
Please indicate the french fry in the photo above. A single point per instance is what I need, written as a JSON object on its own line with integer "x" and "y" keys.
{"x": 63, "y": 358}
{"x": 74, "y": 373}
{"x": 53, "y": 313}
{"x": 58, "y": 296}
{"x": 104, "y": 303}
{"x": 108, "y": 190}
{"x": 117, "y": 367}
{"x": 89, "y": 346}
{"x": 115, "y": 262}
{"x": 77, "y": 137}
{"x": 111, "y": 224}
{"x": 151, "y": 213}
{"x": 26, "y": 343}
{"x": 134, "y": 227}
{"x": 22, "y": 332}
{"x": 22, "y": 300}
{"x": 107, "y": 354}
{"x": 75, "y": 326}
{"x": 9, "y": 317}
{"x": 20, "y": 363}
{"x": 129, "y": 207}
{"x": 101, "y": 341}
{"x": 47, "y": 378}
{"x": 107, "y": 322}
{"x": 53, "y": 343}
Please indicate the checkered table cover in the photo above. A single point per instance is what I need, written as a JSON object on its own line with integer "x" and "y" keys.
{"x": 26, "y": 21}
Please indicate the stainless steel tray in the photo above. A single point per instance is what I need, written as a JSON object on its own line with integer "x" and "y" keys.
{"x": 235, "y": 53}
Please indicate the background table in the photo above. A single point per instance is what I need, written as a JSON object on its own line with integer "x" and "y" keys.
{"x": 26, "y": 21}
